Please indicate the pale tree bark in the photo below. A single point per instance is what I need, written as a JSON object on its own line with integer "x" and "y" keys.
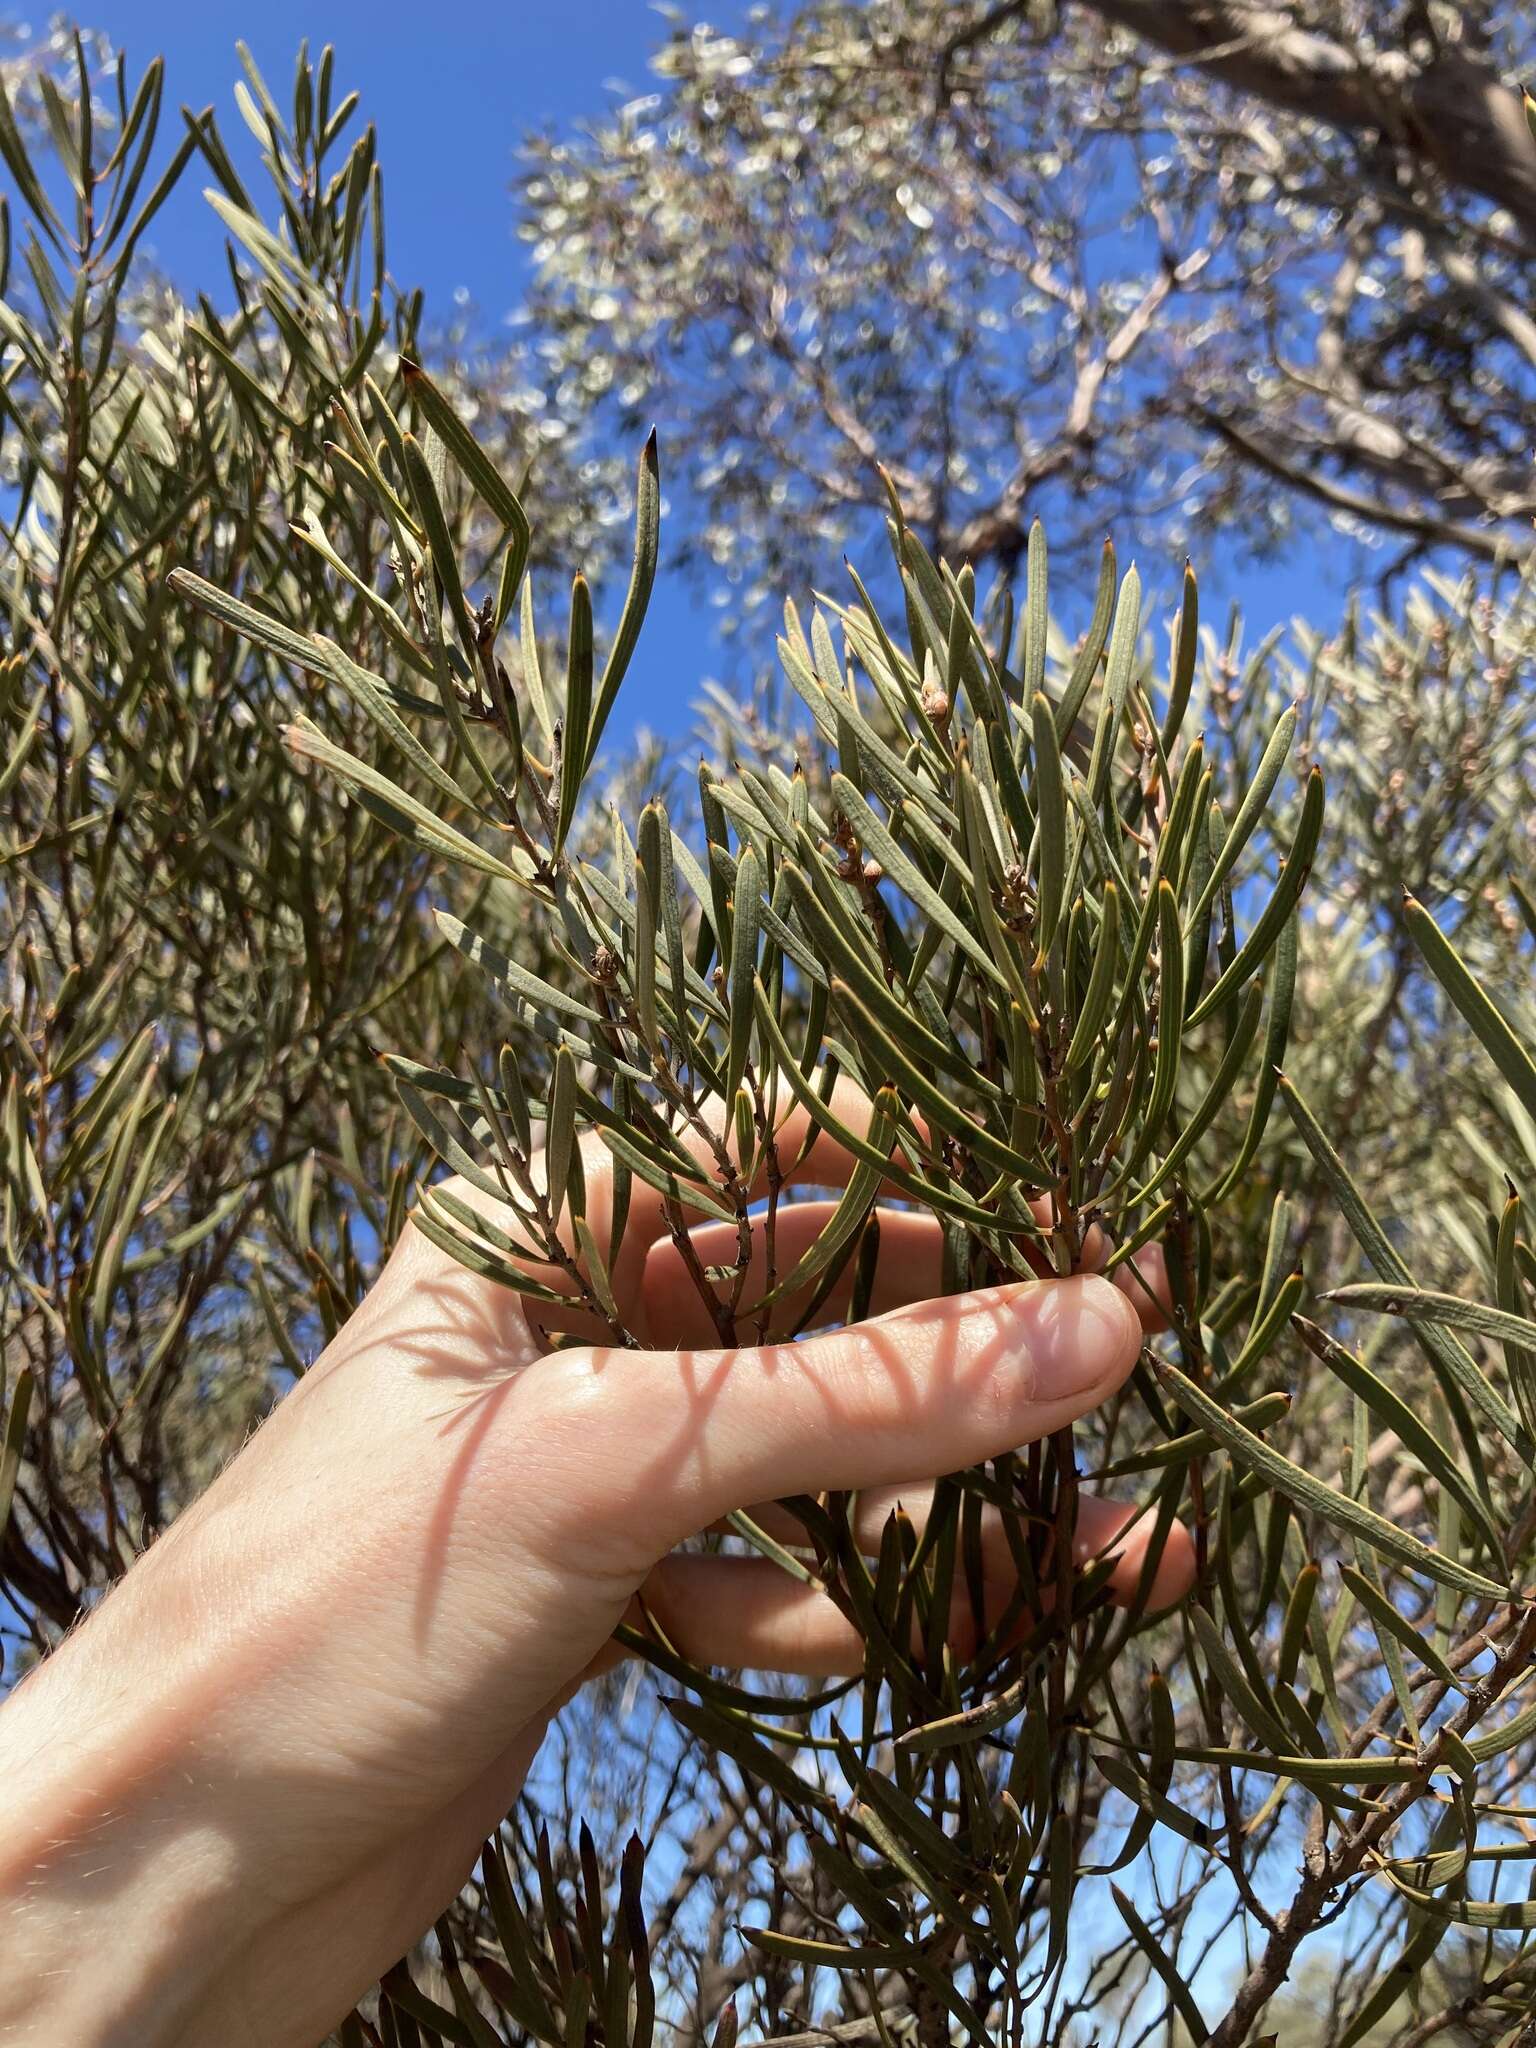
{"x": 1445, "y": 100}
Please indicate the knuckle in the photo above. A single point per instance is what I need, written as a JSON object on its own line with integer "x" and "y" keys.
{"x": 569, "y": 1403}
{"x": 581, "y": 1439}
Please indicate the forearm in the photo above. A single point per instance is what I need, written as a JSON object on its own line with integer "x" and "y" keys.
{"x": 235, "y": 1768}
{"x": 120, "y": 1878}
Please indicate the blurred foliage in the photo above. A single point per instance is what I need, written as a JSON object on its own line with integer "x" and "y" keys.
{"x": 1061, "y": 903}
{"x": 1139, "y": 266}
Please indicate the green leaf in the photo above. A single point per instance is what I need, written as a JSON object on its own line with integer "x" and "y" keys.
{"x": 1393, "y": 1413}
{"x": 1319, "y": 1772}
{"x": 308, "y": 656}
{"x": 953, "y": 1730}
{"x": 283, "y": 270}
{"x": 944, "y": 1201}
{"x": 1051, "y": 812}
{"x": 516, "y": 984}
{"x": 1037, "y": 615}
{"x": 1269, "y": 1321}
{"x": 649, "y": 841}
{"x": 821, "y": 1955}
{"x": 1451, "y": 1358}
{"x": 667, "y": 1180}
{"x": 724, "y": 1730}
{"x": 533, "y": 674}
{"x": 1170, "y": 1027}
{"x": 390, "y": 804}
{"x": 19, "y": 163}
{"x": 993, "y": 1151}
{"x": 1153, "y": 1808}
{"x": 180, "y": 1242}
{"x": 876, "y": 839}
{"x": 1197, "y": 1443}
{"x": 1386, "y": 1618}
{"x": 1250, "y": 810}
{"x": 1271, "y": 922}
{"x": 1511, "y": 1058}
{"x": 1101, "y": 982}
{"x": 1518, "y": 1355}
{"x": 641, "y": 578}
{"x": 1422, "y": 1304}
{"x": 576, "y": 725}
{"x": 431, "y": 1218}
{"x": 1259, "y": 1714}
{"x": 1499, "y": 1741}
{"x": 1185, "y": 649}
{"x": 501, "y": 500}
{"x": 1398, "y": 1978}
{"x": 854, "y": 963}
{"x": 1276, "y": 1035}
{"x": 378, "y": 701}
{"x": 1299, "y": 1485}
{"x": 1117, "y": 685}
{"x": 444, "y": 1140}
{"x": 14, "y": 1440}
{"x": 1086, "y": 664}
{"x": 832, "y": 707}
{"x": 1217, "y": 1095}
{"x": 851, "y": 1211}
{"x": 1149, "y": 1796}
{"x": 445, "y": 559}
{"x": 400, "y": 1992}
{"x": 560, "y": 1133}
{"x": 1180, "y": 1997}
{"x": 746, "y": 923}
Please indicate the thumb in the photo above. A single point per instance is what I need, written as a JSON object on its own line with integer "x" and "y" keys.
{"x": 928, "y": 1388}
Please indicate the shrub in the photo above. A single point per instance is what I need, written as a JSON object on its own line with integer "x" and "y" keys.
{"x": 204, "y": 956}
{"x": 1007, "y": 903}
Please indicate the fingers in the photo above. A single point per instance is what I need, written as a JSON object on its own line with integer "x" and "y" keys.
{"x": 650, "y": 1277}
{"x": 910, "y": 1268}
{"x": 1143, "y": 1279}
{"x": 806, "y": 1153}
{"x": 1104, "y": 1528}
{"x": 745, "y": 1613}
{"x": 654, "y": 1446}
{"x": 1110, "y": 1528}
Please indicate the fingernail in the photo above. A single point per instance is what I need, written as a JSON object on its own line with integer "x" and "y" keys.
{"x": 1085, "y": 1335}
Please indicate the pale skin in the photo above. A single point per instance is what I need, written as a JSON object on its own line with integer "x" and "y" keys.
{"x": 260, "y": 1770}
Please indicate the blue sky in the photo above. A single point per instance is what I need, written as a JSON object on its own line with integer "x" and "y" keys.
{"x": 452, "y": 92}
{"x": 451, "y": 89}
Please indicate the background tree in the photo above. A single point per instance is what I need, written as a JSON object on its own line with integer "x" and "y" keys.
{"x": 1148, "y": 268}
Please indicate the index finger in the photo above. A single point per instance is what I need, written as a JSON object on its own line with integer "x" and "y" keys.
{"x": 646, "y": 1448}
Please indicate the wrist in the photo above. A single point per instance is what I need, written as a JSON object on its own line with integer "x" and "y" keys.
{"x": 118, "y": 1897}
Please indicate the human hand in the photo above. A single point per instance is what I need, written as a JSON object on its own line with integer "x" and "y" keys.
{"x": 255, "y": 1777}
